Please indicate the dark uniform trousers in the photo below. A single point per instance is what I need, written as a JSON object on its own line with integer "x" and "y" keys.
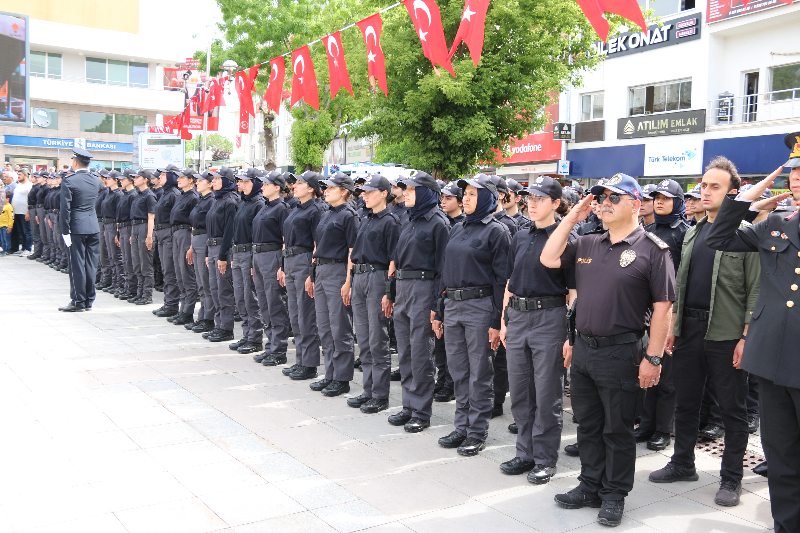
{"x": 199, "y": 254}
{"x": 603, "y": 388}
{"x": 372, "y": 331}
{"x": 35, "y": 233}
{"x": 158, "y": 272}
{"x": 114, "y": 255}
{"x": 244, "y": 291}
{"x": 469, "y": 359}
{"x": 500, "y": 382}
{"x": 334, "y": 321}
{"x": 184, "y": 272}
{"x": 443, "y": 378}
{"x": 129, "y": 280}
{"x": 104, "y": 269}
{"x": 172, "y": 295}
{"x": 52, "y": 245}
{"x": 142, "y": 258}
{"x": 696, "y": 358}
{"x": 415, "y": 342}
{"x": 83, "y": 268}
{"x": 302, "y": 310}
{"x": 659, "y": 401}
{"x": 221, "y": 287}
{"x": 270, "y": 301}
{"x": 63, "y": 253}
{"x": 535, "y": 343}
{"x": 780, "y": 420}
{"x": 45, "y": 249}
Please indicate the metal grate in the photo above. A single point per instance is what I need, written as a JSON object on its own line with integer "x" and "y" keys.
{"x": 716, "y": 447}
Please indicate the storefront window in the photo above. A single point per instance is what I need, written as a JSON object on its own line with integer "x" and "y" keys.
{"x": 783, "y": 78}
{"x": 123, "y": 124}
{"x": 99, "y": 165}
{"x": 591, "y": 106}
{"x": 97, "y": 122}
{"x": 660, "y": 98}
{"x": 122, "y": 165}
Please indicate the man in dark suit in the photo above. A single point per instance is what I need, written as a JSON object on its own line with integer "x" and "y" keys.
{"x": 80, "y": 230}
{"x": 770, "y": 350}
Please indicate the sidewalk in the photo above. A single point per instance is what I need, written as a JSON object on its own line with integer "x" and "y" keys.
{"x": 115, "y": 420}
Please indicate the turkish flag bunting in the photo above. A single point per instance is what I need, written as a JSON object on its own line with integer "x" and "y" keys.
{"x": 470, "y": 30}
{"x": 244, "y": 88}
{"x": 372, "y": 27}
{"x": 594, "y": 9}
{"x": 304, "y": 81}
{"x": 274, "y": 93}
{"x": 337, "y": 68}
{"x": 215, "y": 89}
{"x": 195, "y": 103}
{"x": 430, "y": 31}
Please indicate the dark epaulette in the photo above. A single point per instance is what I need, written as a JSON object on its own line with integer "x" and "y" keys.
{"x": 656, "y": 239}
{"x": 790, "y": 216}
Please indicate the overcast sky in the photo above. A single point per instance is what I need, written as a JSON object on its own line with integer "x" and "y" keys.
{"x": 191, "y": 23}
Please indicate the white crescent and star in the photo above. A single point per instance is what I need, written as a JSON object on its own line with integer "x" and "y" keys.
{"x": 371, "y": 57}
{"x": 420, "y": 4}
{"x": 332, "y": 41}
{"x": 274, "y": 72}
{"x": 467, "y": 13}
{"x": 299, "y": 59}
{"x": 370, "y": 31}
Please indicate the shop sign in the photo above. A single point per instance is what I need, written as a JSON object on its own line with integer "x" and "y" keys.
{"x": 675, "y": 158}
{"x": 675, "y": 32}
{"x": 676, "y": 123}
{"x": 724, "y": 9}
{"x": 50, "y": 142}
{"x": 563, "y": 131}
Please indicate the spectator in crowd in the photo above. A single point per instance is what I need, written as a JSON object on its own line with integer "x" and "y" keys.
{"x": 6, "y": 223}
{"x": 19, "y": 201}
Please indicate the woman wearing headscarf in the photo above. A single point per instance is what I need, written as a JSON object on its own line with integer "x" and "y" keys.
{"x": 219, "y": 228}
{"x": 243, "y": 286}
{"x": 416, "y": 269}
{"x": 330, "y": 285}
{"x": 670, "y": 226}
{"x": 168, "y": 185}
{"x": 472, "y": 286}
{"x": 299, "y": 233}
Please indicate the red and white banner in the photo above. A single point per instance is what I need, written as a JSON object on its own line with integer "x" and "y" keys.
{"x": 372, "y": 27}
{"x": 428, "y": 23}
{"x": 470, "y": 31}
{"x": 304, "y": 81}
{"x": 337, "y": 68}
{"x": 274, "y": 94}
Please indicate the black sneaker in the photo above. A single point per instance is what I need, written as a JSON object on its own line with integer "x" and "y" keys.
{"x": 235, "y": 345}
{"x": 320, "y": 385}
{"x": 274, "y": 360}
{"x": 250, "y": 347}
{"x": 237, "y": 317}
{"x": 576, "y": 498}
{"x": 659, "y": 441}
{"x": 571, "y": 450}
{"x": 374, "y": 405}
{"x": 415, "y": 425}
{"x": 185, "y": 319}
{"x": 191, "y": 325}
{"x": 512, "y": 428}
{"x": 445, "y": 395}
{"x": 166, "y": 313}
{"x": 207, "y": 334}
{"x": 712, "y": 432}
{"x": 673, "y": 472}
{"x": 335, "y": 388}
{"x": 453, "y": 440}
{"x": 611, "y": 512}
{"x": 395, "y": 375}
{"x": 303, "y": 372}
{"x": 729, "y": 493}
{"x": 358, "y": 401}
{"x": 221, "y": 336}
{"x": 259, "y": 357}
{"x": 516, "y": 466}
{"x": 144, "y": 301}
{"x": 541, "y": 474}
{"x": 752, "y": 423}
{"x": 471, "y": 447}
{"x": 204, "y": 326}
{"x": 288, "y": 371}
{"x": 497, "y": 410}
{"x": 400, "y": 419}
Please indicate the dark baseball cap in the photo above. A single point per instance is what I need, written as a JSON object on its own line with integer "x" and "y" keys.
{"x": 767, "y": 194}
{"x": 143, "y": 172}
{"x": 113, "y": 174}
{"x": 544, "y": 186}
{"x": 792, "y": 142}
{"x": 312, "y": 179}
{"x": 479, "y": 181}
{"x": 452, "y": 189}
{"x": 669, "y": 188}
{"x": 207, "y": 175}
{"x": 514, "y": 186}
{"x": 620, "y": 184}
{"x": 340, "y": 179}
{"x": 500, "y": 183}
{"x": 289, "y": 177}
{"x": 694, "y": 192}
{"x": 128, "y": 173}
{"x": 419, "y": 178}
{"x": 275, "y": 178}
{"x": 169, "y": 168}
{"x": 647, "y": 191}
{"x": 359, "y": 180}
{"x": 251, "y": 174}
{"x": 376, "y": 182}
{"x": 103, "y": 173}
{"x": 225, "y": 172}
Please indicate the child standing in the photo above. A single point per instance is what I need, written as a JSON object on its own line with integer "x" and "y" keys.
{"x": 6, "y": 223}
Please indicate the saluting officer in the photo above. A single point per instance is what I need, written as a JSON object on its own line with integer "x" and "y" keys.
{"x": 80, "y": 231}
{"x": 181, "y": 227}
{"x": 619, "y": 275}
{"x": 535, "y": 333}
{"x": 197, "y": 254}
{"x": 770, "y": 350}
{"x": 372, "y": 252}
{"x": 472, "y": 285}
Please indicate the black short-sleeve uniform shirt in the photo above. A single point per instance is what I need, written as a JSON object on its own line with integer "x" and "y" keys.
{"x": 108, "y": 209}
{"x": 197, "y": 218}
{"x": 164, "y": 204}
{"x": 182, "y": 208}
{"x": 268, "y": 223}
{"x": 124, "y": 205}
{"x": 618, "y": 283}
{"x": 528, "y": 277}
{"x": 336, "y": 232}
{"x": 376, "y": 238}
{"x": 422, "y": 244}
{"x": 245, "y": 214}
{"x": 300, "y": 227}
{"x": 143, "y": 204}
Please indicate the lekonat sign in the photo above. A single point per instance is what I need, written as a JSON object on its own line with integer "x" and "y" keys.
{"x": 677, "y": 123}
{"x": 676, "y": 31}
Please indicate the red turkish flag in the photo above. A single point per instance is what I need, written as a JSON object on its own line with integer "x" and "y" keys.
{"x": 183, "y": 125}
{"x": 470, "y": 30}
{"x": 215, "y": 89}
{"x": 372, "y": 27}
{"x": 593, "y": 9}
{"x": 337, "y": 68}
{"x": 244, "y": 88}
{"x": 274, "y": 93}
{"x": 304, "y": 81}
{"x": 629, "y": 9}
{"x": 430, "y": 31}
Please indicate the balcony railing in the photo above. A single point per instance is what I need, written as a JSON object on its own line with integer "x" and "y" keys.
{"x": 762, "y": 107}
{"x": 132, "y": 85}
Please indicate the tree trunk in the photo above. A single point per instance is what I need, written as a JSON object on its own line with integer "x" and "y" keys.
{"x": 269, "y": 145}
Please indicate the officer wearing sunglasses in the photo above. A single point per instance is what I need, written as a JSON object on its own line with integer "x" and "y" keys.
{"x": 619, "y": 275}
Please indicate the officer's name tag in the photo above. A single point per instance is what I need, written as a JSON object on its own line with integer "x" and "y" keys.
{"x": 584, "y": 260}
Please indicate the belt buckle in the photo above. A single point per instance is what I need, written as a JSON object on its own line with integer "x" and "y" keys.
{"x": 458, "y": 295}
{"x": 523, "y": 304}
{"x": 592, "y": 342}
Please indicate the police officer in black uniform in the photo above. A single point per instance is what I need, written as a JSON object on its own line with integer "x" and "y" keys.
{"x": 124, "y": 239}
{"x": 770, "y": 349}
{"x": 511, "y": 203}
{"x": 181, "y": 227}
{"x": 80, "y": 231}
{"x": 143, "y": 215}
{"x": 104, "y": 268}
{"x": 107, "y": 216}
{"x": 169, "y": 192}
{"x": 619, "y": 275}
{"x": 32, "y": 220}
{"x": 199, "y": 253}
{"x": 41, "y": 194}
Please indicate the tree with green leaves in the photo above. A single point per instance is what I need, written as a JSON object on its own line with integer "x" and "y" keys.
{"x": 220, "y": 145}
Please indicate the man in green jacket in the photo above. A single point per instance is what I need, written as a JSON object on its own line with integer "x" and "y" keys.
{"x": 715, "y": 297}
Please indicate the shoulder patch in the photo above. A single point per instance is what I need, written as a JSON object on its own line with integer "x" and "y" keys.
{"x": 790, "y": 216}
{"x": 656, "y": 239}
{"x": 745, "y": 224}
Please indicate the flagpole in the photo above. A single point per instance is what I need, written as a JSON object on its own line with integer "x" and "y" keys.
{"x": 205, "y": 115}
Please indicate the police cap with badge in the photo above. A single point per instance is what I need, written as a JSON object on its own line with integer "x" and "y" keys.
{"x": 82, "y": 156}
{"x": 792, "y": 141}
{"x": 419, "y": 178}
{"x": 545, "y": 187}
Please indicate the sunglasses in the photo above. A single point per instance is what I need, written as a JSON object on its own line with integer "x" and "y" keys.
{"x": 613, "y": 197}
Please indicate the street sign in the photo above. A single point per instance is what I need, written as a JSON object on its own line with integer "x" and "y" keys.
{"x": 563, "y": 167}
{"x": 563, "y": 132}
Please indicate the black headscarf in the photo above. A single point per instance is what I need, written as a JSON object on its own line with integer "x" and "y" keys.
{"x": 227, "y": 186}
{"x": 487, "y": 204}
{"x": 426, "y": 199}
{"x": 256, "y": 190}
{"x": 678, "y": 211}
{"x": 172, "y": 181}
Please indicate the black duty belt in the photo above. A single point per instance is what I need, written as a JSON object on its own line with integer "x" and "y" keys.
{"x": 162, "y": 226}
{"x": 328, "y": 260}
{"x": 468, "y": 294}
{"x": 198, "y": 232}
{"x": 613, "y": 340}
{"x": 124, "y": 224}
{"x": 214, "y": 242}
{"x": 414, "y": 274}
{"x": 296, "y": 250}
{"x": 701, "y": 314}
{"x": 107, "y": 220}
{"x": 137, "y": 221}
{"x": 242, "y": 247}
{"x": 52, "y": 211}
{"x": 32, "y": 207}
{"x": 39, "y": 206}
{"x": 363, "y": 268}
{"x": 178, "y": 227}
{"x": 532, "y": 304}
{"x": 268, "y": 247}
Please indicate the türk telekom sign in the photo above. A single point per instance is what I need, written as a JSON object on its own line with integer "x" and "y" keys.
{"x": 674, "y": 32}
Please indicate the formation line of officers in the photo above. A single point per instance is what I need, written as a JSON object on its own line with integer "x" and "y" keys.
{"x": 481, "y": 299}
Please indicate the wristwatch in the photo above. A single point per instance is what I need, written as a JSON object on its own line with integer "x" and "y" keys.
{"x": 653, "y": 359}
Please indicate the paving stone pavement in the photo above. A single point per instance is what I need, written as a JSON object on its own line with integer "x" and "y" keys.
{"x": 115, "y": 420}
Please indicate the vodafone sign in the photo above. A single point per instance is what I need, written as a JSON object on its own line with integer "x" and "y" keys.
{"x": 535, "y": 147}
